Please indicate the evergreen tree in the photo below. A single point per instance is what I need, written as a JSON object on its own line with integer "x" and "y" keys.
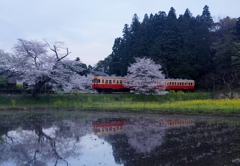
{"x": 224, "y": 43}
{"x": 186, "y": 67}
{"x": 236, "y": 46}
{"x": 115, "y": 66}
{"x": 135, "y": 45}
{"x": 237, "y": 28}
{"x": 157, "y": 22}
{"x": 206, "y": 17}
{"x": 169, "y": 45}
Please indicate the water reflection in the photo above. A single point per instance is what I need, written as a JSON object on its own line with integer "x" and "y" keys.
{"x": 36, "y": 141}
{"x": 117, "y": 139}
{"x": 143, "y": 135}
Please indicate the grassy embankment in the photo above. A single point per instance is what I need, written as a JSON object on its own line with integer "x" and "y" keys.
{"x": 191, "y": 103}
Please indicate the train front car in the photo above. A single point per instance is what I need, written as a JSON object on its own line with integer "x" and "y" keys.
{"x": 105, "y": 84}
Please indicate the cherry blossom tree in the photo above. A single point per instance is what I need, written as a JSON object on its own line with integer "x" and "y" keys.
{"x": 3, "y": 60}
{"x": 144, "y": 76}
{"x": 41, "y": 64}
{"x": 83, "y": 83}
{"x": 6, "y": 63}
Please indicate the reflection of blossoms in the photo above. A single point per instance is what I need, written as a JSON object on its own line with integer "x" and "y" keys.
{"x": 69, "y": 129}
{"x": 38, "y": 147}
{"x": 144, "y": 136}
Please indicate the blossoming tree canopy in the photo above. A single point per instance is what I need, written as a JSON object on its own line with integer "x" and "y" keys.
{"x": 40, "y": 63}
{"x": 144, "y": 76}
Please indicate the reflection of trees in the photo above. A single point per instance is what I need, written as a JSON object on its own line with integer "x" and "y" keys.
{"x": 144, "y": 136}
{"x": 199, "y": 144}
{"x": 42, "y": 138}
{"x": 37, "y": 143}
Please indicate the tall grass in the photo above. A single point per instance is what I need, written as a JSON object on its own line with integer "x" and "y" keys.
{"x": 172, "y": 102}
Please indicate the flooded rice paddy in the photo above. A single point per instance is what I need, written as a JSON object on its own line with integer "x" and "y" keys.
{"x": 101, "y": 138}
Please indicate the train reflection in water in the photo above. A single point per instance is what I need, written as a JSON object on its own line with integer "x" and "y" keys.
{"x": 108, "y": 126}
{"x": 115, "y": 125}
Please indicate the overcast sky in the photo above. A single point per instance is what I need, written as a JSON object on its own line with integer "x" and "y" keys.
{"x": 89, "y": 27}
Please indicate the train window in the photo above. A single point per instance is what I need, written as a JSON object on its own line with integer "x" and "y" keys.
{"x": 110, "y": 81}
{"x": 103, "y": 81}
{"x": 97, "y": 81}
{"x": 106, "y": 81}
{"x": 120, "y": 81}
{"x": 114, "y": 81}
{"x": 117, "y": 81}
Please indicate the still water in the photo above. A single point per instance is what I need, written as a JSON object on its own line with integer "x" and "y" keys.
{"x": 107, "y": 139}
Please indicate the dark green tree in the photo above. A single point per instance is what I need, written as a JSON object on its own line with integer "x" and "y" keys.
{"x": 237, "y": 28}
{"x": 103, "y": 66}
{"x": 169, "y": 43}
{"x": 224, "y": 43}
{"x": 206, "y": 17}
{"x": 115, "y": 65}
{"x": 225, "y": 49}
{"x": 158, "y": 21}
{"x": 187, "y": 65}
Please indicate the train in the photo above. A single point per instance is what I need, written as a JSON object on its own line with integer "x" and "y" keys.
{"x": 108, "y": 84}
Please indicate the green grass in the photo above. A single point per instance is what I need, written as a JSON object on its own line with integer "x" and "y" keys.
{"x": 194, "y": 103}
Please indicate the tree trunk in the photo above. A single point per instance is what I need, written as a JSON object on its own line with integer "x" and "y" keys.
{"x": 37, "y": 88}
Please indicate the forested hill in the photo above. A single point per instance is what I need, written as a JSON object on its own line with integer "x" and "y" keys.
{"x": 185, "y": 46}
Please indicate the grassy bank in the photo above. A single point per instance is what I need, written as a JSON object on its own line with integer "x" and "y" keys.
{"x": 191, "y": 103}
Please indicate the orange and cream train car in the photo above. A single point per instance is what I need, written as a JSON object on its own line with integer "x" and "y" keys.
{"x": 110, "y": 84}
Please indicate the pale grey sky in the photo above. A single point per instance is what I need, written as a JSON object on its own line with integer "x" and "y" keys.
{"x": 89, "y": 27}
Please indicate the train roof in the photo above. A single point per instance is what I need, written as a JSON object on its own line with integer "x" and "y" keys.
{"x": 167, "y": 79}
{"x": 118, "y": 77}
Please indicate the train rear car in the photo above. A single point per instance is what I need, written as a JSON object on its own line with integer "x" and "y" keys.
{"x": 179, "y": 84}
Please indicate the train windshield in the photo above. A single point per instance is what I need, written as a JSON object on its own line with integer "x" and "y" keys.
{"x": 95, "y": 81}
